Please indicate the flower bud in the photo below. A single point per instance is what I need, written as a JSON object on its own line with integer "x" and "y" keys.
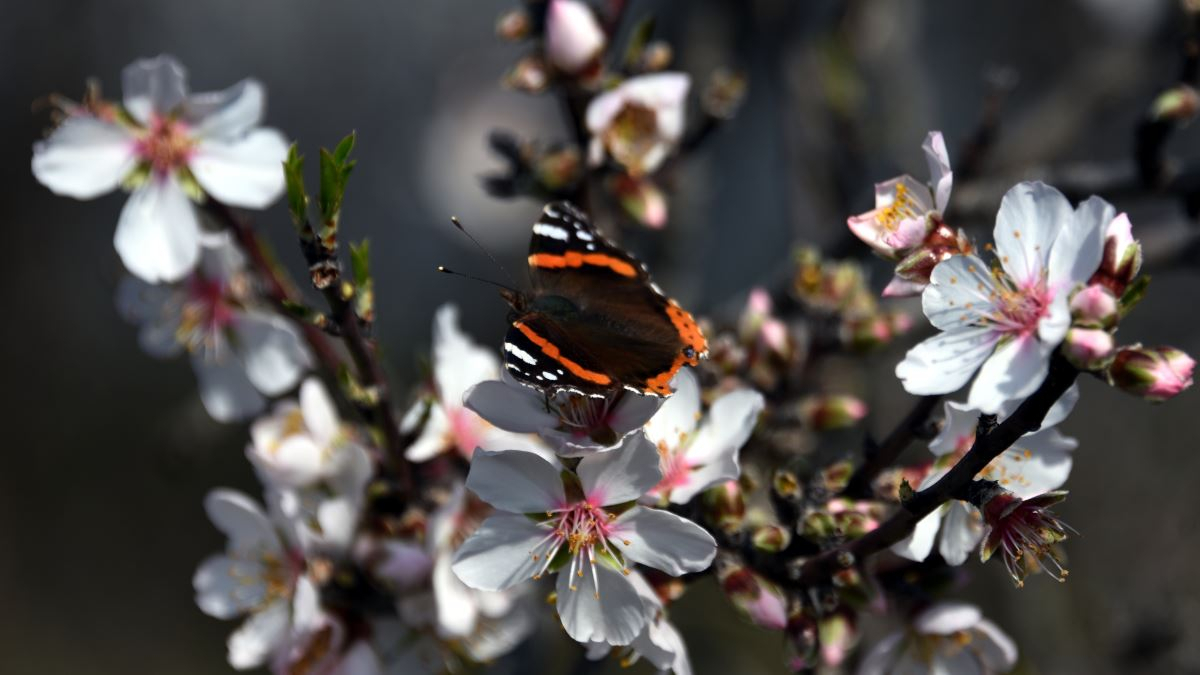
{"x": 1122, "y": 258}
{"x": 838, "y": 635}
{"x": 802, "y": 643}
{"x": 656, "y": 56}
{"x": 559, "y": 168}
{"x": 771, "y": 538}
{"x": 642, "y": 200}
{"x": 725, "y": 506}
{"x": 1178, "y": 104}
{"x": 1154, "y": 373}
{"x": 529, "y": 76}
{"x": 1088, "y": 348}
{"x": 758, "y": 599}
{"x": 513, "y": 25}
{"x": 827, "y": 413}
{"x": 1095, "y": 305}
{"x": 574, "y": 38}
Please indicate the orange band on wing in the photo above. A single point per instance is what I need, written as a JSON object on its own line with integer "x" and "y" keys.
{"x": 689, "y": 332}
{"x": 552, "y": 351}
{"x": 661, "y": 383}
{"x": 577, "y": 259}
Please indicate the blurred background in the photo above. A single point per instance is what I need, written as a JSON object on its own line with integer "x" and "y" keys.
{"x": 101, "y": 524}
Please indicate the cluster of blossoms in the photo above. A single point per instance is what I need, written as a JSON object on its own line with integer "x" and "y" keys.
{"x": 426, "y": 542}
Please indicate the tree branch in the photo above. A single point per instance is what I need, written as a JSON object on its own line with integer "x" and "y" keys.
{"x": 877, "y": 459}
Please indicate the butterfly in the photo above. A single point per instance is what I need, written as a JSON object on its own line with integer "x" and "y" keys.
{"x": 594, "y": 322}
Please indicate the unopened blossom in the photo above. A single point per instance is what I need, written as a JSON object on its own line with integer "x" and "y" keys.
{"x": 1024, "y": 532}
{"x": 1095, "y": 305}
{"x": 906, "y": 209}
{"x": 698, "y": 451}
{"x": 1154, "y": 373}
{"x": 255, "y": 578}
{"x": 949, "y": 637}
{"x": 660, "y": 643}
{"x": 640, "y": 122}
{"x": 830, "y": 412}
{"x": 1005, "y": 322}
{"x": 1038, "y": 462}
{"x": 756, "y": 598}
{"x": 1122, "y": 258}
{"x": 641, "y": 199}
{"x": 573, "y": 425}
{"x": 759, "y": 325}
{"x": 1088, "y": 348}
{"x": 458, "y": 365}
{"x": 241, "y": 352}
{"x": 170, "y": 148}
{"x": 585, "y": 528}
{"x": 574, "y": 39}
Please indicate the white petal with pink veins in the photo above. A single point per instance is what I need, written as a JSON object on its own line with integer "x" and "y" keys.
{"x": 245, "y": 171}
{"x": 959, "y": 294}
{"x": 622, "y": 475}
{"x": 615, "y": 617}
{"x": 663, "y": 540}
{"x": 944, "y": 363}
{"x": 499, "y": 554}
{"x": 1030, "y": 218}
{"x": 516, "y": 481}
{"x": 84, "y": 158}
{"x": 1014, "y": 371}
{"x": 158, "y": 234}
{"x": 1080, "y": 245}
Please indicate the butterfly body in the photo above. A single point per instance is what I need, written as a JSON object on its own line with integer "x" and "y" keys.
{"x": 594, "y": 322}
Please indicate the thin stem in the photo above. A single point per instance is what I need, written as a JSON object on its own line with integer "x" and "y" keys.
{"x": 880, "y": 458}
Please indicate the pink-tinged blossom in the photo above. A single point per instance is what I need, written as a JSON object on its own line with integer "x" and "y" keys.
{"x": 949, "y": 637}
{"x": 583, "y": 527}
{"x": 169, "y": 143}
{"x": 905, "y": 209}
{"x": 1038, "y": 462}
{"x": 574, "y": 39}
{"x": 640, "y": 122}
{"x": 1006, "y": 322}
{"x": 1024, "y": 533}
{"x": 1154, "y": 373}
{"x": 574, "y": 425}
{"x": 254, "y": 578}
{"x": 698, "y": 451}
{"x": 241, "y": 353}
{"x": 450, "y": 426}
{"x": 759, "y": 600}
{"x": 1088, "y": 348}
{"x": 1122, "y": 258}
{"x": 1095, "y": 305}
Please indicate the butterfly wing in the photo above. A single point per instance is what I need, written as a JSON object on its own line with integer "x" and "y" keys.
{"x": 596, "y": 307}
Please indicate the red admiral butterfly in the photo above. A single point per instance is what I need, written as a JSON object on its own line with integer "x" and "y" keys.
{"x": 595, "y": 321}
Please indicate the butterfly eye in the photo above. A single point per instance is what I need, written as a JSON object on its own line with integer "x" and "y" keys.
{"x": 689, "y": 352}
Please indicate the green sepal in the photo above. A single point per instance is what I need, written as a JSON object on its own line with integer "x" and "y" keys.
{"x": 1133, "y": 295}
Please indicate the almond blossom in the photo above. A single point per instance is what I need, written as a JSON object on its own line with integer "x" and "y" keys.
{"x": 640, "y": 122}
{"x": 1005, "y": 322}
{"x": 695, "y": 459}
{"x": 659, "y": 642}
{"x": 241, "y": 352}
{"x": 585, "y": 527}
{"x": 170, "y": 148}
{"x": 458, "y": 365}
{"x": 949, "y": 637}
{"x": 1038, "y": 462}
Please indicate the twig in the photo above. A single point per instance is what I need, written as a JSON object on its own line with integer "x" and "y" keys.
{"x": 1028, "y": 417}
{"x": 880, "y": 458}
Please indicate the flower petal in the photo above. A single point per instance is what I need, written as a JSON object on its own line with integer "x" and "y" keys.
{"x": 614, "y": 614}
{"x": 959, "y": 293}
{"x": 1014, "y": 371}
{"x": 994, "y": 648}
{"x": 245, "y": 171}
{"x": 715, "y": 472}
{"x": 728, "y": 426}
{"x": 229, "y": 113}
{"x": 227, "y": 394}
{"x": 272, "y": 352}
{"x": 499, "y": 554}
{"x": 158, "y": 235}
{"x": 241, "y": 519}
{"x": 677, "y": 417}
{"x": 259, "y": 636}
{"x": 457, "y": 611}
{"x": 918, "y": 545}
{"x": 1030, "y": 218}
{"x": 157, "y": 307}
{"x": 516, "y": 481}
{"x": 944, "y": 363}
{"x": 664, "y": 541}
{"x": 84, "y": 158}
{"x": 946, "y": 618}
{"x": 960, "y": 422}
{"x": 633, "y": 411}
{"x": 1061, "y": 408}
{"x": 153, "y": 86}
{"x": 1080, "y": 245}
{"x": 883, "y": 657}
{"x": 228, "y": 587}
{"x": 510, "y": 407}
{"x": 458, "y": 362}
{"x": 962, "y": 528}
{"x": 940, "y": 175}
{"x": 621, "y": 475}
{"x": 1053, "y": 326}
{"x": 1037, "y": 463}
{"x": 320, "y": 415}
{"x": 434, "y": 437}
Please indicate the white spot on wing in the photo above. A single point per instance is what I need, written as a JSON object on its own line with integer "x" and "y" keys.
{"x": 552, "y": 231}
{"x": 519, "y": 353}
{"x": 548, "y": 375}
{"x": 584, "y": 235}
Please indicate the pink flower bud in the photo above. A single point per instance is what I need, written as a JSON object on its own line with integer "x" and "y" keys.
{"x": 574, "y": 39}
{"x": 826, "y": 413}
{"x": 642, "y": 200}
{"x": 758, "y": 599}
{"x": 1122, "y": 256}
{"x": 725, "y": 506}
{"x": 513, "y": 25}
{"x": 1095, "y": 306}
{"x": 771, "y": 538}
{"x": 1156, "y": 374}
{"x": 1088, "y": 348}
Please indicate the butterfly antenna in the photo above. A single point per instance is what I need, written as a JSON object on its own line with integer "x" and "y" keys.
{"x": 446, "y": 270}
{"x": 459, "y": 225}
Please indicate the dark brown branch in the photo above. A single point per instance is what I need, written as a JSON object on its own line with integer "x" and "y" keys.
{"x": 1028, "y": 417}
{"x": 879, "y": 458}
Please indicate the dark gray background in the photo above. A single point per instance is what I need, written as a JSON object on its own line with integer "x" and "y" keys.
{"x": 100, "y": 517}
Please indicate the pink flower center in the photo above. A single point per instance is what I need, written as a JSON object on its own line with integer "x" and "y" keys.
{"x": 676, "y": 470}
{"x": 1018, "y": 308}
{"x": 580, "y": 528}
{"x": 205, "y": 314}
{"x": 166, "y": 145}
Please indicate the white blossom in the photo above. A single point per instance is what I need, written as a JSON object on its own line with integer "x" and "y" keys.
{"x": 949, "y": 637}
